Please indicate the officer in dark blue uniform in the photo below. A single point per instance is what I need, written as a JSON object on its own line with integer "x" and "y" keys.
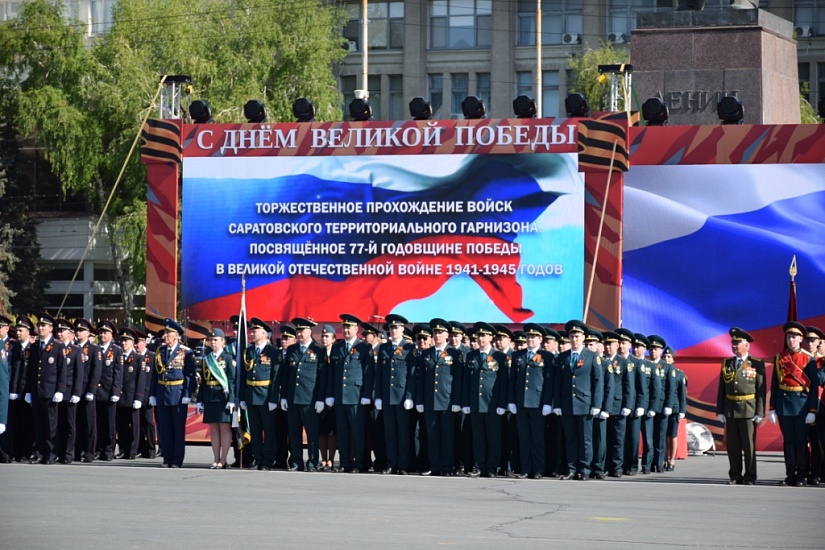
{"x": 13, "y": 353}
{"x": 643, "y": 370}
{"x": 419, "y": 447}
{"x": 23, "y": 414}
{"x": 131, "y": 397}
{"x": 304, "y": 376}
{"x": 45, "y": 389}
{"x": 503, "y": 340}
{"x": 463, "y": 443}
{"x": 351, "y": 382}
{"x": 666, "y": 375}
{"x": 92, "y": 362}
{"x": 374, "y": 432}
{"x": 555, "y": 460}
{"x": 148, "y": 432}
{"x": 621, "y": 407}
{"x": 530, "y": 397}
{"x": 260, "y": 393}
{"x": 67, "y": 409}
{"x": 171, "y": 390}
{"x": 108, "y": 390}
{"x": 594, "y": 340}
{"x": 394, "y": 392}
{"x": 579, "y": 393}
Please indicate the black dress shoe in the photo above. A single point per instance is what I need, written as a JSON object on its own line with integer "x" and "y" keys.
{"x": 734, "y": 482}
{"x": 598, "y": 476}
{"x": 88, "y": 459}
{"x": 568, "y": 476}
{"x": 355, "y": 471}
{"x": 426, "y": 473}
{"x": 520, "y": 476}
{"x": 262, "y": 468}
{"x": 402, "y": 472}
{"x": 292, "y": 468}
{"x": 615, "y": 474}
{"x": 535, "y": 476}
{"x": 474, "y": 474}
{"x": 312, "y": 469}
{"x": 814, "y": 481}
{"x": 800, "y": 483}
{"x": 749, "y": 482}
{"x": 645, "y": 471}
{"x": 386, "y": 471}
{"x": 553, "y": 474}
{"x": 174, "y": 466}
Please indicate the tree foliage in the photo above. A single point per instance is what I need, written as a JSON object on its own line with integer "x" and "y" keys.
{"x": 586, "y": 75}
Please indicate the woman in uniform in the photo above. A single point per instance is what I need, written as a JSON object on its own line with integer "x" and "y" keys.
{"x": 216, "y": 397}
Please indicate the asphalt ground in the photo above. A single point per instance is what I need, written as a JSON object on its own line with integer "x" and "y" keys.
{"x": 136, "y": 504}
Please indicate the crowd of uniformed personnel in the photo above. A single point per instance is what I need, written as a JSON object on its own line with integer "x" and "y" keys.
{"x": 433, "y": 398}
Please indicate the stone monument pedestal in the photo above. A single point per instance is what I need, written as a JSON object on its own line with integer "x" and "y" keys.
{"x": 692, "y": 59}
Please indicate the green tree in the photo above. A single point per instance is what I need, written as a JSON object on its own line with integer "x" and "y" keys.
{"x": 586, "y": 77}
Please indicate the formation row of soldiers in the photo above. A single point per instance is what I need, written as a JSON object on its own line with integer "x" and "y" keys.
{"x": 65, "y": 397}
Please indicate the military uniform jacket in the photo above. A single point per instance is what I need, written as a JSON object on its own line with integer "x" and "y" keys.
{"x": 148, "y": 365}
{"x": 742, "y": 390}
{"x": 643, "y": 370}
{"x": 5, "y": 382}
{"x": 46, "y": 373}
{"x": 352, "y": 374}
{"x": 92, "y": 361}
{"x": 305, "y": 374}
{"x": 609, "y": 388}
{"x": 111, "y": 374}
{"x": 133, "y": 379}
{"x": 657, "y": 396}
{"x": 394, "y": 382}
{"x": 74, "y": 369}
{"x": 19, "y": 376}
{"x": 793, "y": 386}
{"x": 437, "y": 387}
{"x": 624, "y": 385}
{"x": 14, "y": 357}
{"x": 261, "y": 375}
{"x": 485, "y": 381}
{"x": 681, "y": 391}
{"x": 528, "y": 378}
{"x": 173, "y": 375}
{"x": 578, "y": 387}
{"x": 210, "y": 390}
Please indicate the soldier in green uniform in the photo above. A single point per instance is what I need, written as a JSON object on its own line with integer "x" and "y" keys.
{"x": 740, "y": 405}
{"x": 260, "y": 391}
{"x": 216, "y": 397}
{"x": 678, "y": 412}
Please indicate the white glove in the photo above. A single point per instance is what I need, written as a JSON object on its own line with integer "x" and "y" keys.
{"x": 408, "y": 404}
{"x": 668, "y": 411}
{"x": 512, "y": 408}
{"x": 13, "y": 397}
{"x": 500, "y": 411}
{"x": 756, "y": 419}
{"x": 365, "y": 400}
{"x": 319, "y": 407}
{"x": 58, "y": 397}
{"x": 2, "y": 428}
{"x": 379, "y": 404}
{"x": 604, "y": 415}
{"x": 272, "y": 406}
{"x": 243, "y": 405}
{"x": 185, "y": 400}
{"x": 557, "y": 411}
{"x": 651, "y": 414}
{"x": 465, "y": 410}
{"x": 284, "y": 404}
{"x": 682, "y": 416}
{"x": 90, "y": 396}
{"x": 199, "y": 408}
{"x": 810, "y": 418}
{"x": 721, "y": 418}
{"x": 419, "y": 408}
{"x": 330, "y": 401}
{"x": 28, "y": 398}
{"x": 639, "y": 412}
{"x": 74, "y": 400}
{"x": 594, "y": 411}
{"x": 136, "y": 404}
{"x": 546, "y": 410}
{"x": 114, "y": 398}
{"x": 772, "y": 416}
{"x": 455, "y": 408}
{"x": 626, "y": 411}
{"x": 153, "y": 401}
{"x": 230, "y": 407}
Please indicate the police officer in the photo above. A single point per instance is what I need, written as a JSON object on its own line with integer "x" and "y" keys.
{"x": 438, "y": 396}
{"x": 530, "y": 390}
{"x": 92, "y": 364}
{"x": 45, "y": 389}
{"x": 171, "y": 390}
{"x": 288, "y": 337}
{"x": 665, "y": 375}
{"x": 302, "y": 394}
{"x": 350, "y": 386}
{"x": 579, "y": 393}
{"x": 617, "y": 352}
{"x": 260, "y": 393}
{"x": 13, "y": 358}
{"x": 793, "y": 401}
{"x": 108, "y": 390}
{"x": 394, "y": 393}
{"x": 555, "y": 460}
{"x": 133, "y": 390}
{"x": 67, "y": 409}
{"x": 148, "y": 435}
{"x": 485, "y": 399}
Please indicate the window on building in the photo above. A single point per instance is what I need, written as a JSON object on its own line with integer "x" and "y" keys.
{"x": 558, "y": 17}
{"x": 72, "y": 306}
{"x": 349, "y": 84}
{"x": 71, "y": 10}
{"x": 397, "y": 108}
{"x": 810, "y": 14}
{"x": 436, "y": 87}
{"x": 386, "y": 25}
{"x": 461, "y": 24}
{"x": 622, "y": 15}
{"x": 9, "y": 10}
{"x": 820, "y": 67}
{"x": 460, "y": 85}
{"x": 483, "y": 88}
{"x": 101, "y": 11}
{"x": 549, "y": 86}
{"x": 804, "y": 70}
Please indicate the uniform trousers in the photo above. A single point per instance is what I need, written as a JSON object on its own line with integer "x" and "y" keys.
{"x": 578, "y": 431}
{"x": 21, "y": 415}
{"x": 128, "y": 431}
{"x": 659, "y": 440}
{"x": 172, "y": 432}
{"x": 45, "y": 422}
{"x": 463, "y": 444}
{"x": 66, "y": 430}
{"x": 350, "y": 422}
{"x": 795, "y": 446}
{"x": 303, "y": 417}
{"x": 85, "y": 430}
{"x": 599, "y": 445}
{"x": 555, "y": 460}
{"x": 647, "y": 442}
{"x": 486, "y": 440}
{"x": 740, "y": 439}
{"x": 631, "y": 443}
{"x": 106, "y": 414}
{"x": 530, "y": 424}
{"x": 440, "y": 432}
{"x": 419, "y": 447}
{"x": 262, "y": 429}
{"x": 148, "y": 432}
{"x": 396, "y": 436}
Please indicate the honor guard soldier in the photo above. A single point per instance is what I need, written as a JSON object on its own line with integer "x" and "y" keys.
{"x": 92, "y": 361}
{"x": 13, "y": 356}
{"x": 530, "y": 397}
{"x": 485, "y": 396}
{"x": 172, "y": 388}
{"x": 261, "y": 393}
{"x": 818, "y": 474}
{"x": 351, "y": 381}
{"x": 45, "y": 388}
{"x": 394, "y": 392}
{"x": 67, "y": 409}
{"x": 578, "y": 396}
{"x": 302, "y": 395}
{"x": 108, "y": 391}
{"x": 793, "y": 401}
{"x": 644, "y": 370}
{"x": 23, "y": 429}
{"x": 463, "y": 444}
{"x": 665, "y": 375}
{"x": 617, "y": 353}
{"x": 147, "y": 446}
{"x": 594, "y": 342}
{"x": 216, "y": 396}
{"x": 810, "y": 343}
{"x": 131, "y": 397}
